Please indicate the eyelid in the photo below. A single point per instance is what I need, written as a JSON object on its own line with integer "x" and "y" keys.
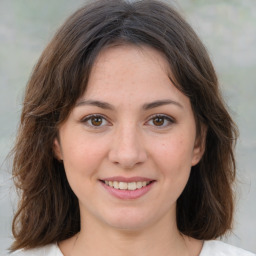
{"x": 88, "y": 117}
{"x": 170, "y": 119}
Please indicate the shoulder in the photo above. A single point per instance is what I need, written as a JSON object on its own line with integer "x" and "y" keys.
{"x": 217, "y": 248}
{"x": 48, "y": 250}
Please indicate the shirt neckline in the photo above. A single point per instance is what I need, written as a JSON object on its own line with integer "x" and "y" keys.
{"x": 59, "y": 252}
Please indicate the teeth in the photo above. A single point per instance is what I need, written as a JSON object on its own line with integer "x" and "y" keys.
{"x": 132, "y": 186}
{"x": 127, "y": 185}
{"x": 116, "y": 184}
{"x": 139, "y": 184}
{"x": 123, "y": 185}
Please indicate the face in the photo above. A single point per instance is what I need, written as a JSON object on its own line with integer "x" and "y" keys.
{"x": 129, "y": 143}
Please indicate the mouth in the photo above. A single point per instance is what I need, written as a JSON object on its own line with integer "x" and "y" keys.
{"x": 121, "y": 185}
{"x": 127, "y": 188}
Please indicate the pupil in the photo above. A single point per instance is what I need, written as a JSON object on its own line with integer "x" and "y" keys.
{"x": 158, "y": 121}
{"x": 96, "y": 121}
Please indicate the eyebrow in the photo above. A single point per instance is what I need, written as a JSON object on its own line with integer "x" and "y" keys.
{"x": 100, "y": 104}
{"x": 160, "y": 103}
{"x": 146, "y": 106}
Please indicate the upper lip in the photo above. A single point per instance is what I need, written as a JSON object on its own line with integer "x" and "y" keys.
{"x": 127, "y": 179}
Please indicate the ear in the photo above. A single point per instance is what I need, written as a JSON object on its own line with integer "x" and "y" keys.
{"x": 57, "y": 149}
{"x": 199, "y": 147}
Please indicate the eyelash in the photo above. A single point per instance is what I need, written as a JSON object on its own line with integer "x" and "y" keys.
{"x": 89, "y": 118}
{"x": 165, "y": 118}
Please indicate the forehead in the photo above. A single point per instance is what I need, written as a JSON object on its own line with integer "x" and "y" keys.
{"x": 131, "y": 53}
{"x": 128, "y": 77}
{"x": 129, "y": 68}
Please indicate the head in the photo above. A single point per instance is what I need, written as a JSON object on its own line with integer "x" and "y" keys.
{"x": 48, "y": 209}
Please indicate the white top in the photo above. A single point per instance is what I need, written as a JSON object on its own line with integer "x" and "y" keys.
{"x": 210, "y": 248}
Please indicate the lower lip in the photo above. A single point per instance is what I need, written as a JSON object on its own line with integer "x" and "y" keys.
{"x": 128, "y": 194}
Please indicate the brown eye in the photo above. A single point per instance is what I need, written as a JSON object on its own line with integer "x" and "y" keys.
{"x": 96, "y": 121}
{"x": 158, "y": 121}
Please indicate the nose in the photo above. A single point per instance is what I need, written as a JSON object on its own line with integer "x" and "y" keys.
{"x": 127, "y": 149}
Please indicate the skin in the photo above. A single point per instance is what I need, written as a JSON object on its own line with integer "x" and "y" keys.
{"x": 129, "y": 140}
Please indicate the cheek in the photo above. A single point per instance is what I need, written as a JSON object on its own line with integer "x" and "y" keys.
{"x": 174, "y": 158}
{"x": 82, "y": 157}
{"x": 178, "y": 151}
{"x": 173, "y": 162}
{"x": 82, "y": 162}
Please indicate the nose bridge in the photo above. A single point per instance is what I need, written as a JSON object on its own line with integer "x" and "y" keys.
{"x": 127, "y": 149}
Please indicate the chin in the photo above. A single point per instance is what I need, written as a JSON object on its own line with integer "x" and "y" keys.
{"x": 129, "y": 221}
{"x": 129, "y": 226}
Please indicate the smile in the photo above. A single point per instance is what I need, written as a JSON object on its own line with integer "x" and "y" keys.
{"x": 127, "y": 185}
{"x": 127, "y": 188}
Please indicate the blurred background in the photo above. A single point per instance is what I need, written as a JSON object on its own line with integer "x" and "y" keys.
{"x": 227, "y": 28}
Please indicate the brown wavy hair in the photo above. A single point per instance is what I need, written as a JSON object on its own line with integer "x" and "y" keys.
{"x": 48, "y": 210}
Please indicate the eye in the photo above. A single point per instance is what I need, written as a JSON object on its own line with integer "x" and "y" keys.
{"x": 160, "y": 121}
{"x": 95, "y": 121}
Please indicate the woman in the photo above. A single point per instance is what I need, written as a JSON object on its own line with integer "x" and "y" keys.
{"x": 125, "y": 145}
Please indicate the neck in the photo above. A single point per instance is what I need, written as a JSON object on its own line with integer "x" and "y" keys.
{"x": 162, "y": 238}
